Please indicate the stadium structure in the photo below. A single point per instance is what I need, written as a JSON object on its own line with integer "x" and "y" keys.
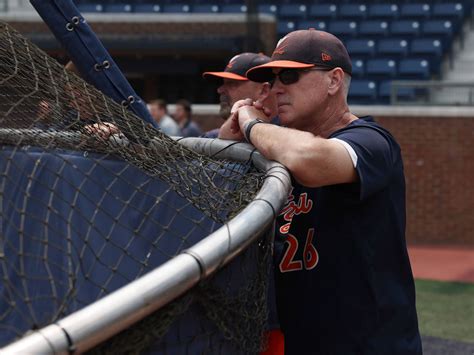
{"x": 413, "y": 71}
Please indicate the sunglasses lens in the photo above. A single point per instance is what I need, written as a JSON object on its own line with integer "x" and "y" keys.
{"x": 288, "y": 77}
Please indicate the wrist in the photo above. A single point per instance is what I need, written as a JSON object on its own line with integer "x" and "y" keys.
{"x": 247, "y": 128}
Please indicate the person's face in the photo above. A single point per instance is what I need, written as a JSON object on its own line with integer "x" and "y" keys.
{"x": 180, "y": 113}
{"x": 156, "y": 112}
{"x": 301, "y": 95}
{"x": 232, "y": 91}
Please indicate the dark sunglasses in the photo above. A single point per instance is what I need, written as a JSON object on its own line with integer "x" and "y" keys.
{"x": 291, "y": 76}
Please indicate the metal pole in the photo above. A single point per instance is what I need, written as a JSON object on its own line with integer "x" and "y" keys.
{"x": 101, "y": 320}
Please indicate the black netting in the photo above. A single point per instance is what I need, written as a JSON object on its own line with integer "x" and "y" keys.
{"x": 92, "y": 197}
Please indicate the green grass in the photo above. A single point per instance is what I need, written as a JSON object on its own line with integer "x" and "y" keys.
{"x": 446, "y": 309}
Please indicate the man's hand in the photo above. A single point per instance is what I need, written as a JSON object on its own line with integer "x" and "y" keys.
{"x": 242, "y": 111}
{"x": 102, "y": 130}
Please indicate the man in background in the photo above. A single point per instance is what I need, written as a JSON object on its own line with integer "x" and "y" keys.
{"x": 159, "y": 112}
{"x": 182, "y": 115}
{"x": 236, "y": 86}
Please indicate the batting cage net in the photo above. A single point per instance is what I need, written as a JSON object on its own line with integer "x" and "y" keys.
{"x": 92, "y": 198}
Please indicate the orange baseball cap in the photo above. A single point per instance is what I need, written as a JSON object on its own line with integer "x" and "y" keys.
{"x": 239, "y": 65}
{"x": 304, "y": 49}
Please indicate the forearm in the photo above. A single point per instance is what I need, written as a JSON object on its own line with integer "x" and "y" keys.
{"x": 313, "y": 161}
{"x": 277, "y": 143}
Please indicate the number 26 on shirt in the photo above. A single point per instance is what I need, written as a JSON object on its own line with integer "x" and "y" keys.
{"x": 310, "y": 254}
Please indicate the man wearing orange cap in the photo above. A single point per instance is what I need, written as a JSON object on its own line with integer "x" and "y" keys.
{"x": 236, "y": 86}
{"x": 344, "y": 282}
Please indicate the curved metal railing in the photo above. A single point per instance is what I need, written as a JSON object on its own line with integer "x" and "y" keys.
{"x": 108, "y": 316}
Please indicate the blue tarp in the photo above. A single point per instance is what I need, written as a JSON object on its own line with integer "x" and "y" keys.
{"x": 98, "y": 218}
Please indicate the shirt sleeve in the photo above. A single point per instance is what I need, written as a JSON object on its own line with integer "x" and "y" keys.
{"x": 376, "y": 155}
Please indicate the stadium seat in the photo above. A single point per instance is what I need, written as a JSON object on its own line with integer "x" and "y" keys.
{"x": 323, "y": 11}
{"x": 176, "y": 8}
{"x": 383, "y": 11}
{"x": 431, "y": 49}
{"x": 361, "y": 47}
{"x": 268, "y": 9}
{"x": 358, "y": 68}
{"x": 147, "y": 8}
{"x": 85, "y": 8}
{"x": 414, "y": 69}
{"x": 343, "y": 28}
{"x": 405, "y": 28}
{"x": 373, "y": 28}
{"x": 424, "y": 46}
{"x": 448, "y": 11}
{"x": 292, "y": 11}
{"x": 439, "y": 29}
{"x": 118, "y": 8}
{"x": 319, "y": 25}
{"x": 403, "y": 93}
{"x": 233, "y": 9}
{"x": 391, "y": 47}
{"x": 418, "y": 11}
{"x": 353, "y": 11}
{"x": 381, "y": 68}
{"x": 362, "y": 91}
{"x": 205, "y": 8}
{"x": 284, "y": 27}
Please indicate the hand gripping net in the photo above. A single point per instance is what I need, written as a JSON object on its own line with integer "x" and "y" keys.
{"x": 83, "y": 214}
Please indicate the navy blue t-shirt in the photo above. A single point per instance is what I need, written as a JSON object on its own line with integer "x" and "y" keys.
{"x": 344, "y": 281}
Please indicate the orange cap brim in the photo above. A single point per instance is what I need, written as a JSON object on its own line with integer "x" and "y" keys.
{"x": 224, "y": 75}
{"x": 264, "y": 72}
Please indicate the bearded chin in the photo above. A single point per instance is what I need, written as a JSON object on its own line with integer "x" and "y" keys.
{"x": 224, "y": 110}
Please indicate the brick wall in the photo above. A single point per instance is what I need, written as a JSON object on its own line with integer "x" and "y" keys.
{"x": 438, "y": 155}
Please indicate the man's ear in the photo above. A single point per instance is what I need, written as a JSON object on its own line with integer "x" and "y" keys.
{"x": 336, "y": 81}
{"x": 264, "y": 92}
